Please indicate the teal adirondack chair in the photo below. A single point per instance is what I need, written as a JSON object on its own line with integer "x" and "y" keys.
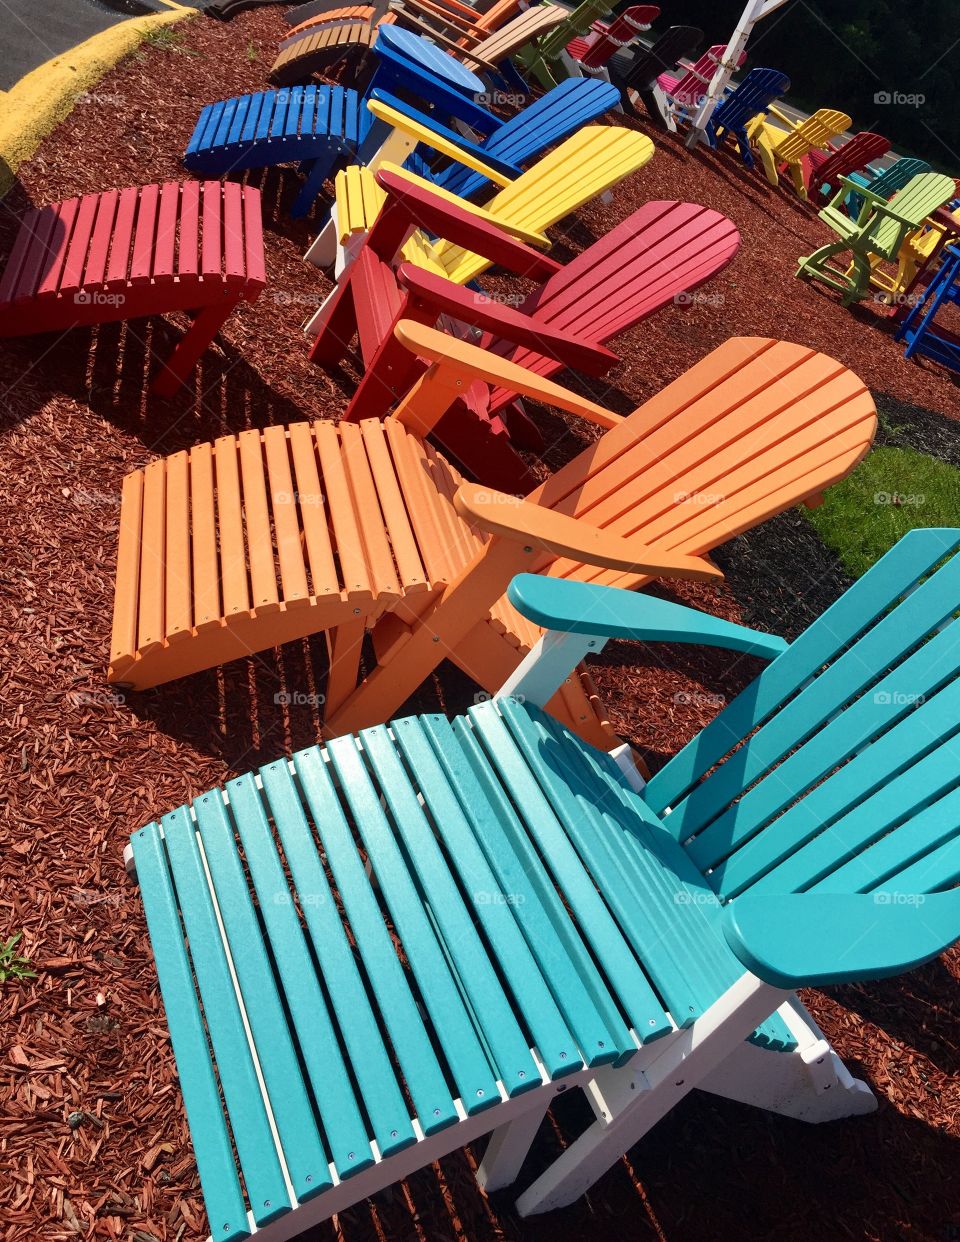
{"x": 877, "y": 232}
{"x": 560, "y": 925}
{"x": 884, "y": 184}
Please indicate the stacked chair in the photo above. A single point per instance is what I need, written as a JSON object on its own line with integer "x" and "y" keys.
{"x": 374, "y": 952}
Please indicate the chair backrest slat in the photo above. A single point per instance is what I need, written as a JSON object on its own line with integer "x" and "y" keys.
{"x": 854, "y": 715}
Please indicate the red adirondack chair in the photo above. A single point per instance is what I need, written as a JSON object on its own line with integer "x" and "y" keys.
{"x": 823, "y": 168}
{"x": 195, "y": 246}
{"x": 659, "y": 254}
{"x": 593, "y": 50}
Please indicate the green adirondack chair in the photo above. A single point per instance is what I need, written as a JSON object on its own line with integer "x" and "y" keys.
{"x": 878, "y": 231}
{"x": 560, "y": 925}
{"x": 542, "y": 60}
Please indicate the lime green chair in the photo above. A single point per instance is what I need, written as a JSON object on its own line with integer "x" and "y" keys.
{"x": 876, "y": 234}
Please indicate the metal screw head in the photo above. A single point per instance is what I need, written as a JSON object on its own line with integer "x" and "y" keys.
{"x": 351, "y": 1155}
{"x": 436, "y": 1112}
{"x": 479, "y": 1093}
{"x": 527, "y": 548}
{"x": 356, "y": 612}
{"x": 521, "y": 1073}
{"x": 266, "y": 1203}
{"x": 601, "y": 1044}
{"x": 563, "y": 1056}
{"x": 393, "y": 1133}
{"x": 652, "y": 1022}
{"x": 309, "y": 1178}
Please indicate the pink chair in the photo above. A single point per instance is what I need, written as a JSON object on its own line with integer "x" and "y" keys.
{"x": 687, "y": 88}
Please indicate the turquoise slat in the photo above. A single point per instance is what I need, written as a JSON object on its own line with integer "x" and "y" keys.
{"x": 597, "y": 924}
{"x": 900, "y": 569}
{"x": 899, "y": 798}
{"x": 457, "y": 1035}
{"x": 418, "y": 1062}
{"x": 306, "y": 1160}
{"x": 474, "y": 974}
{"x": 584, "y": 1000}
{"x": 382, "y": 1098}
{"x": 900, "y": 858}
{"x": 201, "y": 1097}
{"x": 938, "y": 871}
{"x": 329, "y": 1079}
{"x": 665, "y": 865}
{"x": 491, "y": 907}
{"x": 886, "y": 643}
{"x": 852, "y": 784}
{"x": 646, "y": 915}
{"x": 884, "y": 705}
{"x": 248, "y": 1119}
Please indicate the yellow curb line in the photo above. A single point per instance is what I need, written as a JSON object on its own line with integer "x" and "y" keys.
{"x": 42, "y": 98}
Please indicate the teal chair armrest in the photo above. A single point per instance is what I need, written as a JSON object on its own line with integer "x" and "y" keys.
{"x": 611, "y": 612}
{"x": 812, "y": 939}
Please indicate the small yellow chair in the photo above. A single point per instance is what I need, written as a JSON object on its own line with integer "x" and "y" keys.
{"x": 776, "y": 146}
{"x": 587, "y": 164}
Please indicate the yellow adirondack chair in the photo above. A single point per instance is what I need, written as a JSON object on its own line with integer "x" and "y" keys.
{"x": 585, "y": 165}
{"x": 776, "y": 146}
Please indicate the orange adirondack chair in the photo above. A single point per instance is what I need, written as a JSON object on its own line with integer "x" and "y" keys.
{"x": 373, "y": 530}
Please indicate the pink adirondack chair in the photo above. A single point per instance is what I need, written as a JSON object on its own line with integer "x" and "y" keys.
{"x": 823, "y": 168}
{"x": 659, "y": 254}
{"x": 593, "y": 50}
{"x": 687, "y": 87}
{"x": 195, "y": 246}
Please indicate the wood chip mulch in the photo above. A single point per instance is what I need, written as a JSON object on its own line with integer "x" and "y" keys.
{"x": 93, "y": 1141}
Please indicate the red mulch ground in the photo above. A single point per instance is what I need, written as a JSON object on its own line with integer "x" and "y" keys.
{"x": 83, "y": 768}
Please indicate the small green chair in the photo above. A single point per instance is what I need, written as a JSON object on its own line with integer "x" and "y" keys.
{"x": 542, "y": 60}
{"x": 877, "y": 232}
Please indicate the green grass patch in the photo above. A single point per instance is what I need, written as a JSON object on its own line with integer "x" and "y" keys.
{"x": 12, "y": 966}
{"x": 168, "y": 39}
{"x": 893, "y": 491}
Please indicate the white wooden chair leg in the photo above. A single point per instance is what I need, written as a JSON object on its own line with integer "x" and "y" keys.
{"x": 631, "y": 1100}
{"x": 323, "y": 250}
{"x": 507, "y": 1150}
{"x": 809, "y": 1084}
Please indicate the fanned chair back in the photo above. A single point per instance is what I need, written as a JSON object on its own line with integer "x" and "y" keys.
{"x": 849, "y": 782}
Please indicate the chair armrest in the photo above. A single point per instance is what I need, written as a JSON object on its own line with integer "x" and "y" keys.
{"x": 503, "y": 321}
{"x": 397, "y": 115}
{"x": 773, "y": 110}
{"x": 433, "y": 13}
{"x": 812, "y": 939}
{"x": 529, "y": 523}
{"x": 407, "y": 190}
{"x": 458, "y": 362}
{"x": 585, "y": 608}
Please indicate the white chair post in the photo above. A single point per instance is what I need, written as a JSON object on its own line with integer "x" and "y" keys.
{"x": 629, "y": 1101}
{"x": 545, "y": 668}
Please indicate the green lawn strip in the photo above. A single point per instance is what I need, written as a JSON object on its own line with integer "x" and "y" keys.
{"x": 891, "y": 492}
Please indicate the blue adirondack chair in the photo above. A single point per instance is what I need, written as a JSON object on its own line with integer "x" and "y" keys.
{"x": 885, "y": 182}
{"x": 643, "y": 940}
{"x": 920, "y": 329}
{"x": 321, "y": 126}
{"x": 758, "y": 90}
{"x": 510, "y": 146}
